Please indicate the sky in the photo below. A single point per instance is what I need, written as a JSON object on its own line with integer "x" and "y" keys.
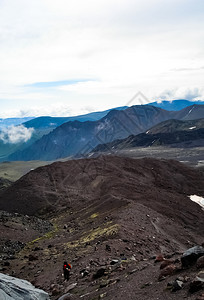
{"x": 63, "y": 58}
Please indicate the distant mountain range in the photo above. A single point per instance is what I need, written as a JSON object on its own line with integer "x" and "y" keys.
{"x": 171, "y": 132}
{"x": 42, "y": 126}
{"x": 79, "y": 138}
{"x": 175, "y": 104}
{"x": 13, "y": 121}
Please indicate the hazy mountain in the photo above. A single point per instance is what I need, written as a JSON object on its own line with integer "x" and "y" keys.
{"x": 78, "y": 138}
{"x": 46, "y": 122}
{"x": 42, "y": 126}
{"x": 13, "y": 121}
{"x": 175, "y": 104}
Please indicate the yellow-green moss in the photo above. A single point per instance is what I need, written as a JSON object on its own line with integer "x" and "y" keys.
{"x": 48, "y": 235}
{"x": 93, "y": 234}
{"x": 93, "y": 216}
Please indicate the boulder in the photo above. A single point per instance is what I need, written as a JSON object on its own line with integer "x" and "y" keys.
{"x": 191, "y": 255}
{"x": 13, "y": 288}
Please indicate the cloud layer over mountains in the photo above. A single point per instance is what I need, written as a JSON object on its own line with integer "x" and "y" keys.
{"x": 16, "y": 134}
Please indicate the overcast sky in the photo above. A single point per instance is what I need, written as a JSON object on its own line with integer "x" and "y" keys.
{"x": 67, "y": 57}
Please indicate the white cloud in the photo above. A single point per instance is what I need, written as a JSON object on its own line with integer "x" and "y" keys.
{"x": 193, "y": 93}
{"x": 126, "y": 46}
{"x": 16, "y": 134}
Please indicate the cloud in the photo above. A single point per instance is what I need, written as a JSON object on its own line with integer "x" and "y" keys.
{"x": 16, "y": 134}
{"x": 127, "y": 46}
{"x": 190, "y": 94}
{"x": 51, "y": 84}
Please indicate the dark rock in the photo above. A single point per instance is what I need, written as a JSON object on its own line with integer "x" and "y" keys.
{"x": 177, "y": 285}
{"x": 32, "y": 257}
{"x": 101, "y": 272}
{"x": 198, "y": 283}
{"x": 6, "y": 263}
{"x": 84, "y": 272}
{"x": 108, "y": 248}
{"x": 36, "y": 249}
{"x": 200, "y": 262}
{"x": 191, "y": 255}
{"x": 169, "y": 270}
{"x": 166, "y": 263}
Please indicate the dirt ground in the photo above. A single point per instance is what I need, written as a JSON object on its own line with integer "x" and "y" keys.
{"x": 111, "y": 216}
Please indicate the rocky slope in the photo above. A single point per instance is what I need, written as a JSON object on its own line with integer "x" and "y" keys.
{"x": 171, "y": 126}
{"x": 111, "y": 217}
{"x": 183, "y": 138}
{"x": 176, "y": 133}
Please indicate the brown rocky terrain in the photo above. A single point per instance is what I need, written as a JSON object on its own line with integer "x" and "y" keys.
{"x": 112, "y": 216}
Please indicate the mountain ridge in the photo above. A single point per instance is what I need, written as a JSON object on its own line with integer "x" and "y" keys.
{"x": 77, "y": 138}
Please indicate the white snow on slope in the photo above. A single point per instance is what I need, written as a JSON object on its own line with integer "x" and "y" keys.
{"x": 199, "y": 200}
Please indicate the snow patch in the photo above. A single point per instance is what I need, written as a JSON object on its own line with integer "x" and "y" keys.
{"x": 199, "y": 200}
{"x": 192, "y": 127}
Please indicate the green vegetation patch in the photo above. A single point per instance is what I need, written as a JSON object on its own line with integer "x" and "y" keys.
{"x": 110, "y": 229}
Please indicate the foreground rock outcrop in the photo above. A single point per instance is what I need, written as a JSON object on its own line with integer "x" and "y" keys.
{"x": 13, "y": 288}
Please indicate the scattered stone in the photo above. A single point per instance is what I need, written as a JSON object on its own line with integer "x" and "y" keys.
{"x": 169, "y": 270}
{"x": 114, "y": 261}
{"x": 37, "y": 249}
{"x": 159, "y": 258}
{"x": 200, "y": 262}
{"x": 32, "y": 257}
{"x": 104, "y": 283}
{"x": 197, "y": 283}
{"x": 191, "y": 255}
{"x": 177, "y": 285}
{"x": 101, "y": 296}
{"x": 166, "y": 263}
{"x": 108, "y": 248}
{"x": 133, "y": 271}
{"x": 70, "y": 287}
{"x": 146, "y": 285}
{"x": 84, "y": 272}
{"x": 68, "y": 296}
{"x": 201, "y": 297}
{"x": 101, "y": 272}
